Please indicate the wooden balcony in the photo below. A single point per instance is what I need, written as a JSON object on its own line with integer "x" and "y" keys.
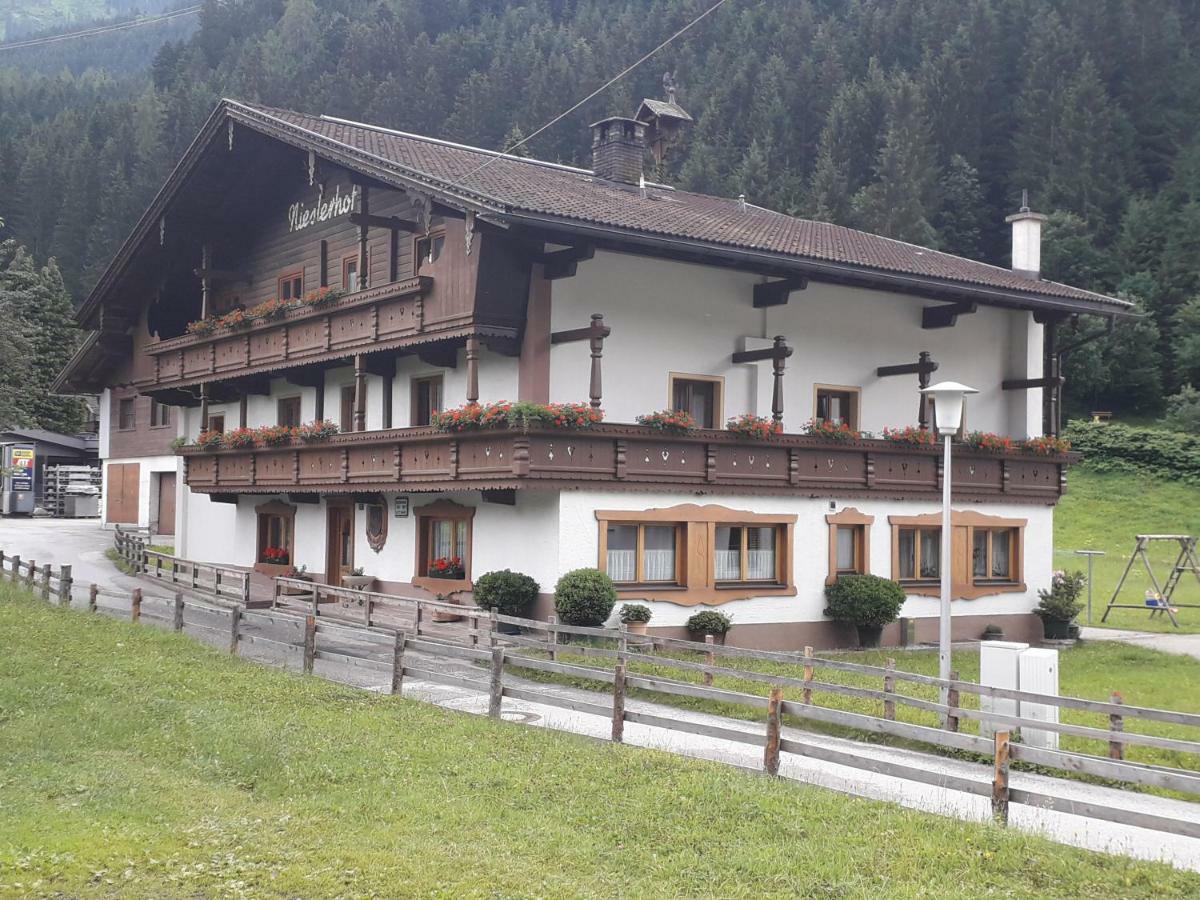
{"x": 628, "y": 457}
{"x": 377, "y": 318}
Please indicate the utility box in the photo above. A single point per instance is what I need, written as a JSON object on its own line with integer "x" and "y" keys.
{"x": 17, "y": 469}
{"x": 1039, "y": 675}
{"x": 999, "y": 666}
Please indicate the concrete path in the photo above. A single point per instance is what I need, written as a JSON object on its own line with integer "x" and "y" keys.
{"x": 83, "y": 543}
{"x": 1181, "y": 644}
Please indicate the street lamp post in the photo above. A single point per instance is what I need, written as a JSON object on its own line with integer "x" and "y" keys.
{"x": 948, "y": 399}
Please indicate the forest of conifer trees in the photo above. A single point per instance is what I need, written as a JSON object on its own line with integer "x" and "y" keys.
{"x": 918, "y": 119}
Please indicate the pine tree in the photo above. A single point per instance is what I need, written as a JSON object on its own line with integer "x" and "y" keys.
{"x": 960, "y": 218}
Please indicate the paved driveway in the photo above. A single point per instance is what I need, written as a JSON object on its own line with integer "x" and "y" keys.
{"x": 1183, "y": 644}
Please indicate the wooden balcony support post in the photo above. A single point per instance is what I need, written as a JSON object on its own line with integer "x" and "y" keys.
{"x": 472, "y": 369}
{"x": 594, "y": 334}
{"x": 365, "y": 211}
{"x": 205, "y": 281}
{"x": 922, "y": 368}
{"x": 204, "y": 407}
{"x": 1051, "y": 417}
{"x": 777, "y": 353}
{"x": 360, "y": 393}
{"x": 243, "y": 404}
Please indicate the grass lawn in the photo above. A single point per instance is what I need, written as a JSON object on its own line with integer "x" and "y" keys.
{"x": 139, "y": 763}
{"x": 1104, "y": 511}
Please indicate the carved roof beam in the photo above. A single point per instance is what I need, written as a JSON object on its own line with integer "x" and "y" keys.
{"x": 945, "y": 316}
{"x": 777, "y": 293}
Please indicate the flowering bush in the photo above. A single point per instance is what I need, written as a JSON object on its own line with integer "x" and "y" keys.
{"x": 1047, "y": 445}
{"x": 240, "y": 438}
{"x": 276, "y": 555}
{"x": 830, "y": 431}
{"x": 986, "y": 440}
{"x": 674, "y": 421}
{"x": 910, "y": 434}
{"x": 472, "y": 416}
{"x": 446, "y": 567}
{"x": 202, "y": 326}
{"x": 321, "y": 296}
{"x": 235, "y": 318}
{"x": 573, "y": 415}
{"x": 210, "y": 440}
{"x": 752, "y": 426}
{"x": 269, "y": 309}
{"x": 273, "y": 435}
{"x": 312, "y": 432}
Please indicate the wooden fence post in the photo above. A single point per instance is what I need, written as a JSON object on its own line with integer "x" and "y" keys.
{"x": 46, "y": 582}
{"x": 174, "y": 571}
{"x": 235, "y": 627}
{"x": 1116, "y": 724}
{"x": 29, "y": 574}
{"x": 245, "y": 588}
{"x": 177, "y": 613}
{"x": 310, "y": 643}
{"x": 710, "y": 658}
{"x": 158, "y": 566}
{"x": 314, "y": 600}
{"x": 622, "y": 642}
{"x": 806, "y": 696}
{"x": 493, "y": 626}
{"x": 889, "y": 687}
{"x": 135, "y": 605}
{"x": 618, "y": 713}
{"x": 192, "y": 573}
{"x": 367, "y": 611}
{"x": 216, "y": 582}
{"x": 1, "y": 564}
{"x": 552, "y": 635}
{"x": 417, "y": 621}
{"x": 952, "y": 702}
{"x": 496, "y": 694}
{"x": 65, "y": 583}
{"x": 93, "y": 596}
{"x": 771, "y": 748}
{"x": 1000, "y": 778}
{"x": 16, "y": 564}
{"x": 398, "y": 662}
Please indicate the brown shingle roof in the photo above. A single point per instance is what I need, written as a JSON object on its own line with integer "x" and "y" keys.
{"x": 530, "y": 186}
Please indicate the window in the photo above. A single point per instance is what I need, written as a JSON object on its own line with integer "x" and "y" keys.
{"x": 745, "y": 553}
{"x": 426, "y": 399}
{"x": 350, "y": 273}
{"x": 428, "y": 248}
{"x": 346, "y": 421}
{"x": 920, "y": 553}
{"x": 992, "y": 553}
{"x": 288, "y": 411}
{"x": 849, "y": 543}
{"x": 126, "y": 414}
{"x": 640, "y": 554}
{"x": 291, "y": 286}
{"x": 276, "y": 523}
{"x": 837, "y": 405}
{"x": 443, "y": 545}
{"x": 216, "y": 423}
{"x": 160, "y": 414}
{"x": 698, "y": 395}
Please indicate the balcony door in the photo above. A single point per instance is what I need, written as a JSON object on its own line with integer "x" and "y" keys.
{"x": 339, "y": 553}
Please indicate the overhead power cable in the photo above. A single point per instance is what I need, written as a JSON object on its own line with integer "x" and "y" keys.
{"x": 696, "y": 21}
{"x": 102, "y": 29}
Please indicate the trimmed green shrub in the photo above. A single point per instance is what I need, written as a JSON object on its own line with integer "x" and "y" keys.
{"x": 866, "y": 601}
{"x": 1150, "y": 451}
{"x": 507, "y": 592}
{"x": 709, "y": 622}
{"x": 584, "y": 597}
{"x": 1061, "y": 601}
{"x": 634, "y": 612}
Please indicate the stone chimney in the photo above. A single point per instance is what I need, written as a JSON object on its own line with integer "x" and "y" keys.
{"x": 1026, "y": 240}
{"x": 618, "y": 148}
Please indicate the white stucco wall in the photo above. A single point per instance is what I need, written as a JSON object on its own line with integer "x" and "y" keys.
{"x": 149, "y": 467}
{"x": 679, "y": 317}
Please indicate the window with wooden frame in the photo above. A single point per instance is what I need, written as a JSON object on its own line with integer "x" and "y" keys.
{"x": 849, "y": 543}
{"x": 288, "y": 412}
{"x": 837, "y": 404}
{"x": 643, "y": 553}
{"x": 426, "y": 399}
{"x": 160, "y": 414}
{"x": 428, "y": 248}
{"x": 700, "y": 395}
{"x": 987, "y": 554}
{"x": 291, "y": 285}
{"x": 444, "y": 546}
{"x": 276, "y": 531}
{"x": 691, "y": 554}
{"x": 126, "y": 414}
{"x": 216, "y": 423}
{"x": 350, "y": 273}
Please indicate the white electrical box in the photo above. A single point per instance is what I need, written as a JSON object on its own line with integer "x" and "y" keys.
{"x": 1039, "y": 674}
{"x": 999, "y": 666}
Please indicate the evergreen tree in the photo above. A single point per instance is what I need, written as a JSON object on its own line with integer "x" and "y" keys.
{"x": 959, "y": 221}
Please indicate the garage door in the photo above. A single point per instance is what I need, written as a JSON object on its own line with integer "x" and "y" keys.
{"x": 122, "y": 504}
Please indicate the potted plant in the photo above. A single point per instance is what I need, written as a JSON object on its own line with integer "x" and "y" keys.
{"x": 1059, "y": 604}
{"x": 357, "y": 581}
{"x": 993, "y": 632}
{"x": 868, "y": 602}
{"x": 710, "y": 622}
{"x": 450, "y": 567}
{"x": 508, "y": 593}
{"x": 635, "y": 617}
{"x": 584, "y": 597}
{"x": 291, "y": 590}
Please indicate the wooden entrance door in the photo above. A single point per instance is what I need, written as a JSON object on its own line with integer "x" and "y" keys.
{"x": 339, "y": 555}
{"x": 166, "y": 503}
{"x": 121, "y": 505}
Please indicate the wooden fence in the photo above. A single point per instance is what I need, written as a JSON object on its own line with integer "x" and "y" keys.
{"x": 223, "y": 582}
{"x": 364, "y": 642}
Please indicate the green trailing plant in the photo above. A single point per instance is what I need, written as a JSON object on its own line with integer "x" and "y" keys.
{"x": 179, "y": 443}
{"x": 710, "y": 622}
{"x": 584, "y": 597}
{"x": 865, "y": 601}
{"x": 509, "y": 593}
{"x": 634, "y": 612}
{"x": 1060, "y": 602}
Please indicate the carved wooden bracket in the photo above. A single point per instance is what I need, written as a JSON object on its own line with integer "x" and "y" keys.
{"x": 777, "y": 353}
{"x": 595, "y": 334}
{"x": 922, "y": 368}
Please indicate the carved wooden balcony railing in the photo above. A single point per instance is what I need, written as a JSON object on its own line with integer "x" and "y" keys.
{"x": 623, "y": 457}
{"x": 376, "y": 318}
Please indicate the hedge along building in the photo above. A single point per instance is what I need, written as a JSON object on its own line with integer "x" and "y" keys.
{"x": 465, "y": 276}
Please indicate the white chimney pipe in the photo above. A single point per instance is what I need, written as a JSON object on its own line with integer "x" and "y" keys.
{"x": 1026, "y": 240}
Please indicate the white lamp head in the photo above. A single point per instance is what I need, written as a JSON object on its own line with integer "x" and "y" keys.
{"x": 948, "y": 404}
